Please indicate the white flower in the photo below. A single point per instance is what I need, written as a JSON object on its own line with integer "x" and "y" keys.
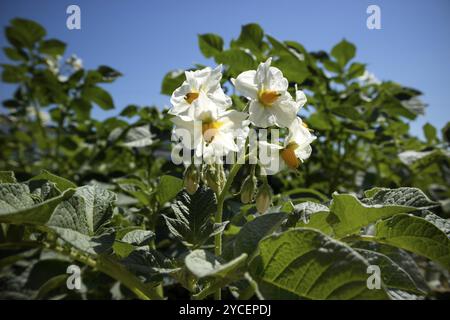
{"x": 53, "y": 63}
{"x": 200, "y": 92}
{"x": 212, "y": 137}
{"x": 270, "y": 102}
{"x": 369, "y": 78}
{"x": 295, "y": 149}
{"x": 75, "y": 62}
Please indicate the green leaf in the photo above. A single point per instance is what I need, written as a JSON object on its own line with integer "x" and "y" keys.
{"x": 50, "y": 285}
{"x": 136, "y": 188}
{"x": 80, "y": 220}
{"x": 138, "y": 137}
{"x": 61, "y": 183}
{"x": 420, "y": 160}
{"x": 308, "y": 264}
{"x": 7, "y": 177}
{"x": 356, "y": 70}
{"x": 349, "y": 214}
{"x": 293, "y": 68}
{"x": 392, "y": 275}
{"x": 332, "y": 66}
{"x": 138, "y": 237}
{"x": 289, "y": 61}
{"x": 430, "y": 133}
{"x": 446, "y": 132}
{"x": 416, "y": 235}
{"x": 409, "y": 197}
{"x": 82, "y": 108}
{"x": 251, "y": 233}
{"x": 442, "y": 224}
{"x": 44, "y": 270}
{"x": 53, "y": 47}
{"x": 313, "y": 215}
{"x": 86, "y": 211}
{"x": 238, "y": 60}
{"x": 168, "y": 188}
{"x": 129, "y": 111}
{"x": 171, "y": 81}
{"x": 210, "y": 44}
{"x": 131, "y": 241}
{"x": 193, "y": 217}
{"x": 147, "y": 263}
{"x": 344, "y": 51}
{"x": 349, "y": 112}
{"x": 202, "y": 264}
{"x": 108, "y": 74}
{"x": 319, "y": 121}
{"x": 400, "y": 257}
{"x": 99, "y": 96}
{"x": 17, "y": 204}
{"x": 12, "y": 74}
{"x": 23, "y": 32}
{"x": 251, "y": 37}
{"x": 15, "y": 54}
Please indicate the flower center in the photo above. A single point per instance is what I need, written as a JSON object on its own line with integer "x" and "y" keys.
{"x": 306, "y": 126}
{"x": 289, "y": 156}
{"x": 191, "y": 96}
{"x": 210, "y": 129}
{"x": 267, "y": 97}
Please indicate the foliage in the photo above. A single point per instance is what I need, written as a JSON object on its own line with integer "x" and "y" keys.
{"x": 105, "y": 196}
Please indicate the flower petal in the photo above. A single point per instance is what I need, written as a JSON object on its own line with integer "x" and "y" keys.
{"x": 285, "y": 113}
{"x": 259, "y": 115}
{"x": 300, "y": 98}
{"x": 246, "y": 84}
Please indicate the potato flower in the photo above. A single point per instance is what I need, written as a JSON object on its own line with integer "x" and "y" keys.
{"x": 295, "y": 149}
{"x": 200, "y": 92}
{"x": 212, "y": 137}
{"x": 270, "y": 102}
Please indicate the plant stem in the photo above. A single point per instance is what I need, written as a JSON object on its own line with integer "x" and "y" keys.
{"x": 113, "y": 269}
{"x": 218, "y": 217}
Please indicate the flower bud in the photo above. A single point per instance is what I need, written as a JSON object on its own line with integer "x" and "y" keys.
{"x": 263, "y": 198}
{"x": 191, "y": 179}
{"x": 211, "y": 180}
{"x": 248, "y": 189}
{"x": 215, "y": 177}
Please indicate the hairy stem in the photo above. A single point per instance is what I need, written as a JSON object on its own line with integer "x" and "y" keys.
{"x": 218, "y": 217}
{"x": 110, "y": 267}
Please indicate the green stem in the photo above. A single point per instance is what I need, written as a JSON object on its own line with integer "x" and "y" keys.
{"x": 118, "y": 272}
{"x": 39, "y": 121}
{"x": 110, "y": 267}
{"x": 366, "y": 238}
{"x": 218, "y": 217}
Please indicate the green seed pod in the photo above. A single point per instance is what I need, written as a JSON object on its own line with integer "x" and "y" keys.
{"x": 248, "y": 189}
{"x": 263, "y": 198}
{"x": 191, "y": 179}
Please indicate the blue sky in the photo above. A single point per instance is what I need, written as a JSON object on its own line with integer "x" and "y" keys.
{"x": 145, "y": 39}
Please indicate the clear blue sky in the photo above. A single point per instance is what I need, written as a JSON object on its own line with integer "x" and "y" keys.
{"x": 145, "y": 39}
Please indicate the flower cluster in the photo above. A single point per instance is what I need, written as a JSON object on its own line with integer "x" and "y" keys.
{"x": 206, "y": 123}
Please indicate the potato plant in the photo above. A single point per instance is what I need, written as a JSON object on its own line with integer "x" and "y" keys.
{"x": 352, "y": 191}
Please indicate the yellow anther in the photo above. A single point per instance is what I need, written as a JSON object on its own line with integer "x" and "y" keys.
{"x": 267, "y": 98}
{"x": 191, "y": 96}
